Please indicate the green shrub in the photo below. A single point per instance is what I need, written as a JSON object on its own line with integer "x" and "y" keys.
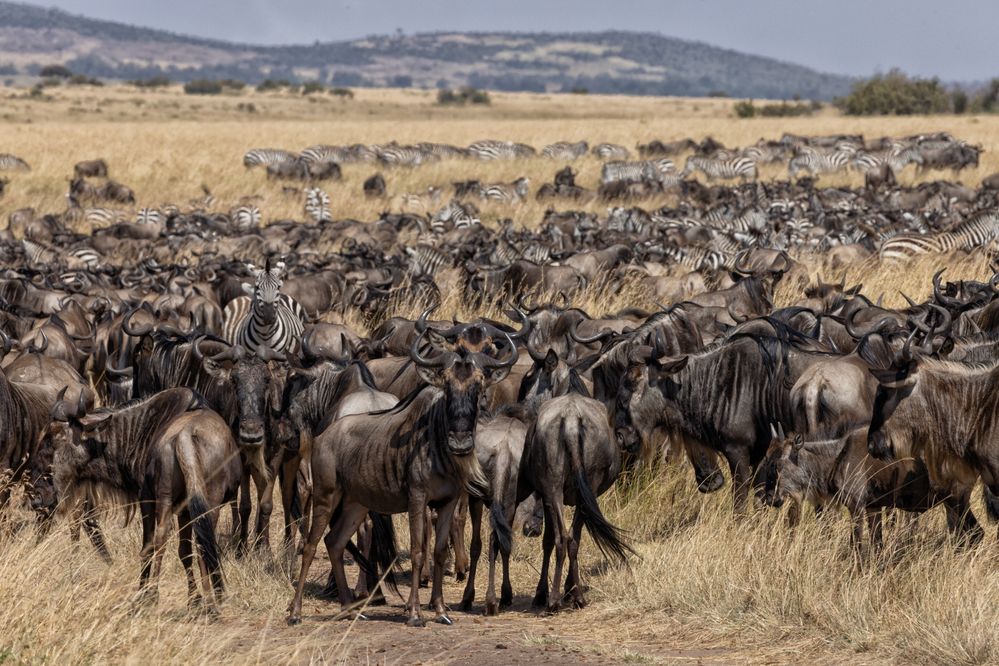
{"x": 466, "y": 95}
{"x": 59, "y": 71}
{"x": 744, "y": 109}
{"x": 273, "y": 84}
{"x": 154, "y": 82}
{"x": 203, "y": 87}
{"x": 580, "y": 90}
{"x": 310, "y": 87}
{"x": 895, "y": 94}
{"x": 82, "y": 80}
{"x": 343, "y": 92}
{"x": 987, "y": 101}
{"x": 959, "y": 101}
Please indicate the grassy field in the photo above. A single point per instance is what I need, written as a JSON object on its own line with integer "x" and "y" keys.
{"x": 705, "y": 587}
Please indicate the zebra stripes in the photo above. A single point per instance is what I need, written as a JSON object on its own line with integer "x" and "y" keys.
{"x": 817, "y": 162}
{"x": 979, "y": 231}
{"x": 611, "y": 151}
{"x": 427, "y": 260}
{"x": 317, "y": 205}
{"x": 149, "y": 216}
{"x": 725, "y": 168}
{"x": 455, "y": 215}
{"x": 268, "y": 318}
{"x": 245, "y": 218}
{"x": 500, "y": 150}
{"x": 563, "y": 150}
{"x": 396, "y": 155}
{"x": 645, "y": 171}
{"x": 514, "y": 192}
{"x": 896, "y": 158}
{"x": 10, "y": 162}
{"x": 265, "y": 157}
{"x": 697, "y": 258}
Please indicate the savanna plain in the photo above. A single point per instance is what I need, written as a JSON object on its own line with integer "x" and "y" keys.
{"x": 703, "y": 587}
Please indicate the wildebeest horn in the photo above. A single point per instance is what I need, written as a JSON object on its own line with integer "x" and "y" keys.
{"x": 420, "y": 325}
{"x": 523, "y": 304}
{"x": 563, "y": 298}
{"x": 942, "y": 298}
{"x": 267, "y": 354}
{"x": 414, "y": 353}
{"x": 856, "y": 334}
{"x": 115, "y": 372}
{"x": 536, "y": 355}
{"x": 904, "y": 355}
{"x": 908, "y": 300}
{"x": 994, "y": 283}
{"x": 599, "y": 337}
{"x": 41, "y": 348}
{"x": 126, "y": 325}
{"x": 525, "y": 324}
{"x": 490, "y": 362}
{"x": 738, "y": 265}
{"x": 8, "y": 344}
{"x": 233, "y": 353}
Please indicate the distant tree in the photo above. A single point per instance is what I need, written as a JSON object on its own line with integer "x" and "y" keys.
{"x": 959, "y": 101}
{"x": 342, "y": 92}
{"x": 987, "y": 101}
{"x": 57, "y": 71}
{"x": 310, "y": 87}
{"x": 203, "y": 87}
{"x": 895, "y": 94}
{"x": 744, "y": 109}
{"x": 152, "y": 82}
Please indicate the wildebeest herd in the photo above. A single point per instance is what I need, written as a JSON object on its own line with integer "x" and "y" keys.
{"x": 178, "y": 361}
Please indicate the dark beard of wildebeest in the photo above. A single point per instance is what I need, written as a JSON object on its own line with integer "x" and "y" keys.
{"x": 243, "y": 389}
{"x": 171, "y": 455}
{"x": 942, "y": 412}
{"x": 418, "y": 454}
{"x": 725, "y": 398}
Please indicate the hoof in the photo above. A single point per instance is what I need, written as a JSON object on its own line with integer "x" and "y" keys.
{"x": 415, "y": 622}
{"x": 445, "y": 620}
{"x": 466, "y": 605}
{"x": 460, "y": 576}
{"x": 378, "y": 600}
{"x": 540, "y": 599}
{"x": 492, "y": 608}
{"x": 552, "y": 609}
{"x": 294, "y": 619}
{"x": 506, "y": 599}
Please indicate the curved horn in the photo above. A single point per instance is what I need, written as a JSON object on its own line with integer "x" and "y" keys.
{"x": 39, "y": 349}
{"x": 414, "y": 353}
{"x": 536, "y": 355}
{"x": 112, "y": 371}
{"x": 489, "y": 362}
{"x": 599, "y": 337}
{"x": 942, "y": 298}
{"x": 420, "y": 325}
{"x": 738, "y": 265}
{"x": 904, "y": 355}
{"x": 8, "y": 344}
{"x": 564, "y": 299}
{"x": 267, "y": 354}
{"x": 135, "y": 332}
{"x": 912, "y": 303}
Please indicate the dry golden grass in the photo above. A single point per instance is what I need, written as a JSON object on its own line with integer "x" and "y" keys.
{"x": 705, "y": 587}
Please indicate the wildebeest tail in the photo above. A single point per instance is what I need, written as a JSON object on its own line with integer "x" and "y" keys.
{"x": 608, "y": 538}
{"x": 991, "y": 504}
{"x": 204, "y": 533}
{"x": 383, "y": 548}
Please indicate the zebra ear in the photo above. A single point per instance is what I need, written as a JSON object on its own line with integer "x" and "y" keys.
{"x": 248, "y": 288}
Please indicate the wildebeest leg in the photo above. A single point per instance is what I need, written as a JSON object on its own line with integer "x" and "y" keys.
{"x": 417, "y": 534}
{"x": 350, "y": 517}
{"x": 363, "y": 545}
{"x": 475, "y": 512}
{"x": 93, "y": 531}
{"x": 553, "y": 514}
{"x": 458, "y": 538}
{"x": 573, "y": 584}
{"x": 304, "y": 486}
{"x": 321, "y": 513}
{"x": 185, "y": 549}
{"x": 242, "y": 541}
{"x": 738, "y": 461}
{"x": 428, "y": 531}
{"x": 547, "y": 544}
{"x": 289, "y": 472}
{"x": 147, "y": 509}
{"x": 961, "y": 520}
{"x": 445, "y": 517}
{"x": 164, "y": 520}
{"x": 265, "y": 505}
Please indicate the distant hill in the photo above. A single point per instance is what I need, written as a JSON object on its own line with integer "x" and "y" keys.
{"x": 604, "y": 62}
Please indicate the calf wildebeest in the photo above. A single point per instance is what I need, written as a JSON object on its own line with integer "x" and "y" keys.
{"x": 418, "y": 453}
{"x": 91, "y": 169}
{"x": 169, "y": 453}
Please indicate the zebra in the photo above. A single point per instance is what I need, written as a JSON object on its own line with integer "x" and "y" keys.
{"x": 442, "y": 150}
{"x": 266, "y": 157}
{"x": 751, "y": 220}
{"x": 245, "y": 218}
{"x": 455, "y": 215}
{"x": 979, "y": 231}
{"x": 317, "y": 205}
{"x": 697, "y": 258}
{"x": 563, "y": 150}
{"x": 10, "y": 162}
{"x": 102, "y": 217}
{"x": 897, "y": 158}
{"x": 321, "y": 153}
{"x": 514, "y": 192}
{"x": 817, "y": 162}
{"x": 500, "y": 150}
{"x": 733, "y": 167}
{"x": 396, "y": 155}
{"x": 636, "y": 172}
{"x": 37, "y": 254}
{"x": 149, "y": 216}
{"x": 84, "y": 257}
{"x": 427, "y": 260}
{"x": 611, "y": 151}
{"x": 267, "y": 318}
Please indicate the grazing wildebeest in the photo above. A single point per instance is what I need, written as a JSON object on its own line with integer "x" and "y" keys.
{"x": 169, "y": 453}
{"x": 91, "y": 168}
{"x": 419, "y": 453}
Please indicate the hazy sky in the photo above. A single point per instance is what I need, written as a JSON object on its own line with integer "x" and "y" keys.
{"x": 953, "y": 39}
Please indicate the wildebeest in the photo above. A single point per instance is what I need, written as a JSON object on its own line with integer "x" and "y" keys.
{"x": 91, "y": 169}
{"x": 169, "y": 453}
{"x": 433, "y": 432}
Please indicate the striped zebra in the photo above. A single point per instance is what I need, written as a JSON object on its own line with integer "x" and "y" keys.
{"x": 538, "y": 253}
{"x": 266, "y": 318}
{"x": 697, "y": 258}
{"x": 752, "y": 219}
{"x": 816, "y": 162}
{"x": 321, "y": 154}
{"x": 455, "y": 215}
{"x": 149, "y": 216}
{"x": 37, "y": 254}
{"x": 396, "y": 155}
{"x": 645, "y": 171}
{"x": 514, "y": 192}
{"x": 442, "y": 151}
{"x": 611, "y": 151}
{"x": 103, "y": 217}
{"x": 245, "y": 218}
{"x": 317, "y": 205}
{"x": 979, "y": 231}
{"x": 427, "y": 260}
{"x": 419, "y": 202}
{"x": 10, "y": 162}
{"x": 739, "y": 166}
{"x": 499, "y": 150}
{"x": 563, "y": 150}
{"x": 84, "y": 257}
{"x": 896, "y": 158}
{"x": 266, "y": 156}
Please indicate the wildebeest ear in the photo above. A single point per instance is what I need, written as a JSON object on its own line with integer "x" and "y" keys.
{"x": 430, "y": 375}
{"x": 551, "y": 360}
{"x": 672, "y": 365}
{"x": 95, "y": 421}
{"x": 799, "y": 442}
{"x": 248, "y": 289}
{"x": 854, "y": 290}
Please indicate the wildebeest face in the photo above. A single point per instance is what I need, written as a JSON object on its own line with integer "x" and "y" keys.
{"x": 782, "y": 477}
{"x": 463, "y": 383}
{"x": 42, "y": 490}
{"x": 254, "y": 384}
{"x": 894, "y": 386}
